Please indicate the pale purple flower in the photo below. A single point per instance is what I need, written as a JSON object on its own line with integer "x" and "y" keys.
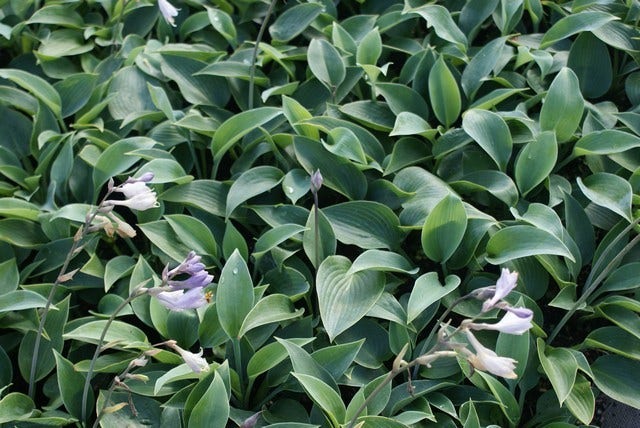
{"x": 316, "y": 181}
{"x": 505, "y": 284}
{"x": 486, "y": 360}
{"x": 510, "y": 323}
{"x": 179, "y": 300}
{"x": 194, "y": 361}
{"x": 168, "y": 11}
{"x": 138, "y": 196}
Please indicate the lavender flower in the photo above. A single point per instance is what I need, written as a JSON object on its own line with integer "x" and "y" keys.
{"x": 486, "y": 360}
{"x": 505, "y": 284}
{"x": 194, "y": 361}
{"x": 316, "y": 181}
{"x": 168, "y": 11}
{"x": 185, "y": 293}
{"x": 138, "y": 195}
{"x": 510, "y": 323}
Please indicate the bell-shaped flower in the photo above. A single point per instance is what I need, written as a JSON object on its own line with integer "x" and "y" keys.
{"x": 138, "y": 196}
{"x": 504, "y": 285}
{"x": 486, "y": 360}
{"x": 168, "y": 11}
{"x": 510, "y": 323}
{"x": 179, "y": 300}
{"x": 194, "y": 361}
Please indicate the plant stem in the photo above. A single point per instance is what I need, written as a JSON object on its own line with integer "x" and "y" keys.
{"x": 316, "y": 228}
{"x": 254, "y": 55}
{"x": 237, "y": 357}
{"x": 87, "y": 382}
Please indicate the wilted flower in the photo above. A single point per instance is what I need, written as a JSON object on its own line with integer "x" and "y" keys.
{"x": 486, "y": 360}
{"x": 185, "y": 293}
{"x": 168, "y": 11}
{"x": 316, "y": 181}
{"x": 194, "y": 361}
{"x": 510, "y": 323}
{"x": 505, "y": 284}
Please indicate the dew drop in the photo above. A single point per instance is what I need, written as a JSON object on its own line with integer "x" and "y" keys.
{"x": 289, "y": 189}
{"x": 235, "y": 271}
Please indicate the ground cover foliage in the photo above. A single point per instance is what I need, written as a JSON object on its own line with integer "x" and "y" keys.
{"x": 454, "y": 138}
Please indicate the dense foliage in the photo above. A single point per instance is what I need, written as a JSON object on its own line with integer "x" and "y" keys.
{"x": 446, "y": 139}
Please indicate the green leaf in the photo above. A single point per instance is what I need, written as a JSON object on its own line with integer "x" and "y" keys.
{"x": 276, "y": 236}
{"x": 235, "y": 69}
{"x": 491, "y": 132}
{"x": 344, "y": 297}
{"x": 194, "y": 234}
{"x": 326, "y": 236}
{"x": 385, "y": 261}
{"x": 304, "y": 363}
{"x": 573, "y": 24}
{"x": 57, "y": 14}
{"x": 223, "y": 24}
{"x": 428, "y": 290}
{"x": 120, "y": 333}
{"x": 589, "y": 58}
{"x": 444, "y": 228}
{"x": 270, "y": 309}
{"x": 251, "y": 183}
{"x": 612, "y": 375}
{"x": 207, "y": 195}
{"x": 39, "y": 87}
{"x": 212, "y": 410}
{"x": 407, "y": 151}
{"x": 19, "y": 300}
{"x": 115, "y": 269}
{"x": 403, "y": 99}
{"x": 71, "y": 384}
{"x": 440, "y": 19}
{"x": 326, "y": 63}
{"x": 560, "y": 366}
{"x": 325, "y": 397}
{"x": 536, "y": 161}
{"x": 616, "y": 340}
{"x": 271, "y": 355}
{"x": 195, "y": 88}
{"x": 605, "y": 142}
{"x": 117, "y": 158}
{"x": 370, "y": 48}
{"x": 514, "y": 242}
{"x": 444, "y": 93}
{"x": 563, "y": 106}
{"x": 75, "y": 91}
{"x": 609, "y": 191}
{"x": 15, "y": 407}
{"x": 480, "y": 66}
{"x": 373, "y": 114}
{"x": 294, "y": 21}
{"x": 239, "y": 125}
{"x": 366, "y": 224}
{"x": 234, "y": 298}
{"x": 343, "y": 142}
{"x": 581, "y": 401}
{"x": 130, "y": 92}
{"x": 339, "y": 173}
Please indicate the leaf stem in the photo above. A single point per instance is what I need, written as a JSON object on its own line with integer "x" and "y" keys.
{"x": 254, "y": 55}
{"x": 139, "y": 291}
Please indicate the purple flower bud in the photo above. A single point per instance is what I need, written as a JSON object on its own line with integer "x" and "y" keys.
{"x": 316, "y": 181}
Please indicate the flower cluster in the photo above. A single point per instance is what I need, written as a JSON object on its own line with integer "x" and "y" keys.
{"x": 515, "y": 321}
{"x": 138, "y": 195}
{"x": 188, "y": 292}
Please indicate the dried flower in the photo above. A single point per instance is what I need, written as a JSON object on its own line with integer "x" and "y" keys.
{"x": 194, "y": 361}
{"x": 168, "y": 11}
{"x": 486, "y": 360}
{"x": 505, "y": 284}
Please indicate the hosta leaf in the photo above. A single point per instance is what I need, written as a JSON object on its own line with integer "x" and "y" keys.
{"x": 563, "y": 106}
{"x": 212, "y": 409}
{"x": 325, "y": 397}
{"x": 426, "y": 291}
{"x": 444, "y": 228}
{"x": 234, "y": 298}
{"x": 383, "y": 261}
{"x": 609, "y": 191}
{"x": 514, "y": 242}
{"x": 15, "y": 407}
{"x": 612, "y": 375}
{"x": 39, "y": 87}
{"x": 344, "y": 297}
{"x": 223, "y": 24}
{"x": 294, "y": 21}
{"x": 251, "y": 183}
{"x": 71, "y": 384}
{"x": 606, "y": 142}
{"x": 444, "y": 93}
{"x": 480, "y": 66}
{"x": 491, "y": 132}
{"x": 366, "y": 224}
{"x": 326, "y": 63}
{"x": 573, "y": 24}
{"x": 589, "y": 58}
{"x": 581, "y": 401}
{"x": 536, "y": 161}
{"x": 440, "y": 19}
{"x": 560, "y": 366}
{"x": 270, "y": 309}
